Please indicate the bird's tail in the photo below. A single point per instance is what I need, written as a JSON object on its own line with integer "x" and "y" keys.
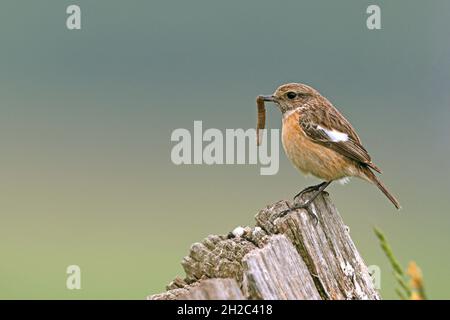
{"x": 373, "y": 178}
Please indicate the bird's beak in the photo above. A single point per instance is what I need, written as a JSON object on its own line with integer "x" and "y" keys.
{"x": 268, "y": 98}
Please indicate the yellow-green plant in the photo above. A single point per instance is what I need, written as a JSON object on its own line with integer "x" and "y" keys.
{"x": 414, "y": 289}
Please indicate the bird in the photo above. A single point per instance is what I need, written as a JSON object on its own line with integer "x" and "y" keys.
{"x": 320, "y": 141}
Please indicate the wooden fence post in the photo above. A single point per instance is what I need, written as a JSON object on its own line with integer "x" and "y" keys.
{"x": 280, "y": 258}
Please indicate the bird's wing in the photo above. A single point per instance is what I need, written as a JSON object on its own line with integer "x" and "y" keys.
{"x": 326, "y": 126}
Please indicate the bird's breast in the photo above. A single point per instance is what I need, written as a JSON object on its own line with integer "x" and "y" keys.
{"x": 308, "y": 156}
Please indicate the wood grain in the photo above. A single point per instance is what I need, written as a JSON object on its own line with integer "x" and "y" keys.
{"x": 279, "y": 258}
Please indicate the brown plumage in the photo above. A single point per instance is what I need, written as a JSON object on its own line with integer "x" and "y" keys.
{"x": 318, "y": 140}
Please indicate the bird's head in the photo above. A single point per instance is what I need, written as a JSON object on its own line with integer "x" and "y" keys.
{"x": 291, "y": 96}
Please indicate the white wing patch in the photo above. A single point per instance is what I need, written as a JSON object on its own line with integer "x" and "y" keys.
{"x": 334, "y": 135}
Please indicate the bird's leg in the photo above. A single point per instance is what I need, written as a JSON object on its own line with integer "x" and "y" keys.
{"x": 307, "y": 204}
{"x": 309, "y": 189}
{"x": 320, "y": 188}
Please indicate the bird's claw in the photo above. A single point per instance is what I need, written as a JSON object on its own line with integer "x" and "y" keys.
{"x": 306, "y": 190}
{"x": 306, "y": 206}
{"x": 309, "y": 189}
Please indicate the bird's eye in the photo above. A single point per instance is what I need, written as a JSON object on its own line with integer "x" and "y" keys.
{"x": 291, "y": 95}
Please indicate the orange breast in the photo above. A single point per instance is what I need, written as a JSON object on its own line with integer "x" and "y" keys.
{"x": 310, "y": 157}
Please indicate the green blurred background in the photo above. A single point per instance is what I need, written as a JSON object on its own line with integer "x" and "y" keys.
{"x": 86, "y": 118}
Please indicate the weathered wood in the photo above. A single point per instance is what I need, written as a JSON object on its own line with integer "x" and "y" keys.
{"x": 280, "y": 258}
{"x": 208, "y": 289}
{"x": 277, "y": 272}
{"x": 327, "y": 249}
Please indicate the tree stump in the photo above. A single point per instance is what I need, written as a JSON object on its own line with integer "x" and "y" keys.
{"x": 288, "y": 257}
